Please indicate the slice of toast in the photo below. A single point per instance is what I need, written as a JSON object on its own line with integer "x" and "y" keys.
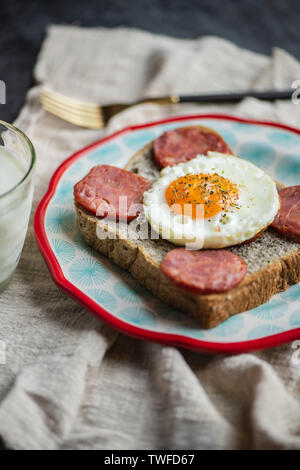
{"x": 273, "y": 261}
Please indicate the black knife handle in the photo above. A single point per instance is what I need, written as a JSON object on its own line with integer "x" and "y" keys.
{"x": 269, "y": 95}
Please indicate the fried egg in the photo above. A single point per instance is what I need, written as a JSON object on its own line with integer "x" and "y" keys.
{"x": 212, "y": 201}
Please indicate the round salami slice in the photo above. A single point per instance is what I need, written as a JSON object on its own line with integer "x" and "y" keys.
{"x": 183, "y": 144}
{"x": 204, "y": 271}
{"x": 287, "y": 220}
{"x": 108, "y": 191}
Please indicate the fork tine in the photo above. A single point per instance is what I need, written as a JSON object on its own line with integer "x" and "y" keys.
{"x": 83, "y": 114}
{"x": 74, "y": 118}
{"x": 75, "y": 113}
{"x": 86, "y": 110}
{"x": 70, "y": 102}
{"x": 79, "y": 112}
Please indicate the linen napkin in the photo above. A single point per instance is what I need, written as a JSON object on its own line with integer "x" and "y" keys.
{"x": 71, "y": 382}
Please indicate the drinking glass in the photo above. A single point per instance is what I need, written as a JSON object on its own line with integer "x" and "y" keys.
{"x": 17, "y": 164}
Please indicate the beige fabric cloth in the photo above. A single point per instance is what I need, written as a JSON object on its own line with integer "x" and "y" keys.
{"x": 71, "y": 382}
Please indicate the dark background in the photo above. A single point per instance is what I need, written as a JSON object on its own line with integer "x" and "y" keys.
{"x": 255, "y": 24}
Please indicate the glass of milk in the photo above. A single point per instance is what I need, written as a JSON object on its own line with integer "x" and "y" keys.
{"x": 17, "y": 162}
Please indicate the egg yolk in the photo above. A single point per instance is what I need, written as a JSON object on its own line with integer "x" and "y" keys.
{"x": 213, "y": 191}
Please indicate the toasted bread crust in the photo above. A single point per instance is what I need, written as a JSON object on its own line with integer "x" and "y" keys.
{"x": 209, "y": 310}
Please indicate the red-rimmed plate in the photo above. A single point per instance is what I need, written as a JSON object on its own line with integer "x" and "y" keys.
{"x": 112, "y": 294}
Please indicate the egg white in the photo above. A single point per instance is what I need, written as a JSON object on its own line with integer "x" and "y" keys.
{"x": 258, "y": 204}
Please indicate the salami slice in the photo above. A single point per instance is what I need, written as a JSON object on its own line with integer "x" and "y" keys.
{"x": 287, "y": 220}
{"x": 204, "y": 271}
{"x": 108, "y": 191}
{"x": 183, "y": 144}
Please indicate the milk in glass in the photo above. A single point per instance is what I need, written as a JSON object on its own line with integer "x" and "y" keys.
{"x": 15, "y": 205}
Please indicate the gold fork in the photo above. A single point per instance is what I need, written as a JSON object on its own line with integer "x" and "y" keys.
{"x": 89, "y": 115}
{"x": 94, "y": 116}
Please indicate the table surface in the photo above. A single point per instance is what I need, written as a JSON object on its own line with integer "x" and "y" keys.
{"x": 254, "y": 24}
